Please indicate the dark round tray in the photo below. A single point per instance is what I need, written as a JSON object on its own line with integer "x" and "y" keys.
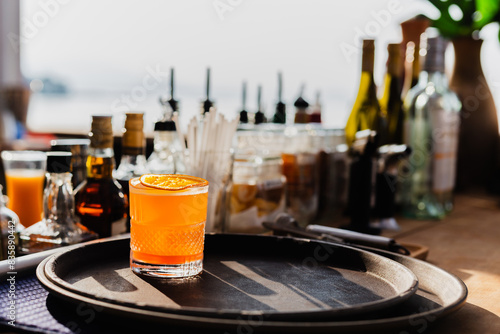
{"x": 276, "y": 278}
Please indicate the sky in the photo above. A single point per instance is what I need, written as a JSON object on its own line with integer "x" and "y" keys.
{"x": 116, "y": 55}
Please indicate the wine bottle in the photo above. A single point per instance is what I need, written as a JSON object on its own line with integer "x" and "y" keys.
{"x": 412, "y": 30}
{"x": 432, "y": 125}
{"x": 366, "y": 107}
{"x": 99, "y": 200}
{"x": 390, "y": 102}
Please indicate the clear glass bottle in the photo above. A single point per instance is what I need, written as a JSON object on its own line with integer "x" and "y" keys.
{"x": 58, "y": 226}
{"x": 168, "y": 154}
{"x": 366, "y": 110}
{"x": 10, "y": 228}
{"x": 133, "y": 159}
{"x": 432, "y": 132}
{"x": 100, "y": 201}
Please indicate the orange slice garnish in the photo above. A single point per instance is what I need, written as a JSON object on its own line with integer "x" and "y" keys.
{"x": 172, "y": 181}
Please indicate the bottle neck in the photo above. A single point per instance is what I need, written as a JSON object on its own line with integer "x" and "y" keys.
{"x": 434, "y": 60}
{"x": 58, "y": 200}
{"x": 436, "y": 78}
{"x": 368, "y": 60}
{"x": 395, "y": 65}
{"x": 131, "y": 166}
{"x": 100, "y": 162}
{"x": 166, "y": 140}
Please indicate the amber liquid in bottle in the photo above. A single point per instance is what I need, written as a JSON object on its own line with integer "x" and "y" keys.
{"x": 100, "y": 202}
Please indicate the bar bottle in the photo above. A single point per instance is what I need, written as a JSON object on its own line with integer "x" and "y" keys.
{"x": 432, "y": 133}
{"x": 100, "y": 201}
{"x": 366, "y": 108}
{"x": 390, "y": 102}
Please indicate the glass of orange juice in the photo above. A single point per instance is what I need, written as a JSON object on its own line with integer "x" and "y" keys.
{"x": 167, "y": 224}
{"x": 24, "y": 178}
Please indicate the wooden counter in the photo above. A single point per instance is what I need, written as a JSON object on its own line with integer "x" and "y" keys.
{"x": 467, "y": 244}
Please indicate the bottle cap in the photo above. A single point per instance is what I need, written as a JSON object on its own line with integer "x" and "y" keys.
{"x": 259, "y": 117}
{"x": 280, "y": 115}
{"x": 59, "y": 162}
{"x": 368, "y": 44}
{"x": 174, "y": 104}
{"x": 133, "y": 140}
{"x": 301, "y": 103}
{"x": 165, "y": 126}
{"x": 243, "y": 117}
{"x": 101, "y": 135}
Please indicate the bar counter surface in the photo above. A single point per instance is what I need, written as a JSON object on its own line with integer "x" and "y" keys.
{"x": 467, "y": 244}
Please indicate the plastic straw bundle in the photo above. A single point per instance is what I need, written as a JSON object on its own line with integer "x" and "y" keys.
{"x": 209, "y": 144}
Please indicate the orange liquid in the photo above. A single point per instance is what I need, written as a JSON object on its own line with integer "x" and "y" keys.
{"x": 167, "y": 227}
{"x": 25, "y": 192}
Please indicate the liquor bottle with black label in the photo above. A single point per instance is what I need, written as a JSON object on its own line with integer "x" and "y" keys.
{"x": 99, "y": 200}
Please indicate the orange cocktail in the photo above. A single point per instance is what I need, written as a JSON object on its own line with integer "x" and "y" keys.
{"x": 25, "y": 193}
{"x": 24, "y": 177}
{"x": 167, "y": 224}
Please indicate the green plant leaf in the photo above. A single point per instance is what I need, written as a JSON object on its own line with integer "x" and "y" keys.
{"x": 475, "y": 15}
{"x": 489, "y": 11}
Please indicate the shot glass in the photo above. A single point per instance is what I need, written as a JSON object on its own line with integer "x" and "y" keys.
{"x": 167, "y": 229}
{"x": 24, "y": 178}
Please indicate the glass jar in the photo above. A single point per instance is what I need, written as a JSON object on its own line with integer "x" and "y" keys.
{"x": 301, "y": 169}
{"x": 258, "y": 192}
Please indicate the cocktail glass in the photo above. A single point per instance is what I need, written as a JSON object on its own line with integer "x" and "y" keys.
{"x": 167, "y": 229}
{"x": 24, "y": 177}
